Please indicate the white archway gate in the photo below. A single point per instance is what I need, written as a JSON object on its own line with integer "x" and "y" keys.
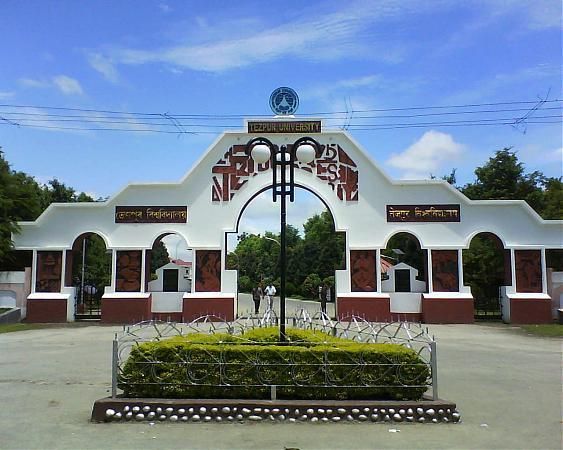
{"x": 365, "y": 203}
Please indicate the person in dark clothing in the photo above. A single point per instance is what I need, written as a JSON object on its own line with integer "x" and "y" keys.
{"x": 324, "y": 291}
{"x": 257, "y": 294}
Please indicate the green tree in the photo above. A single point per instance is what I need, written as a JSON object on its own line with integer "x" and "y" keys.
{"x": 159, "y": 256}
{"x": 483, "y": 270}
{"x": 503, "y": 178}
{"x": 20, "y": 199}
{"x": 311, "y": 286}
{"x": 409, "y": 252}
{"x": 323, "y": 247}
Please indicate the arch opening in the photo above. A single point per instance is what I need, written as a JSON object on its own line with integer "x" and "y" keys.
{"x": 168, "y": 276}
{"x": 314, "y": 252}
{"x": 88, "y": 270}
{"x": 486, "y": 268}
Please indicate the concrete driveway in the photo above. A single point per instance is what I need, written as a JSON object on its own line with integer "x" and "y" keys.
{"x": 507, "y": 386}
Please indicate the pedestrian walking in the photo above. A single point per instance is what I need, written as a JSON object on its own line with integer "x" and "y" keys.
{"x": 324, "y": 292}
{"x": 257, "y": 295}
{"x": 269, "y": 293}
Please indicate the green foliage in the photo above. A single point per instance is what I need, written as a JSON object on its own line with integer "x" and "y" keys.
{"x": 245, "y": 284}
{"x": 20, "y": 199}
{"x": 97, "y": 267}
{"x": 503, "y": 178}
{"x": 311, "y": 285}
{"x": 320, "y": 251}
{"x": 188, "y": 367}
{"x": 159, "y": 256}
{"x": 13, "y": 327}
{"x": 329, "y": 281}
{"x": 412, "y": 254}
{"x": 483, "y": 269}
{"x": 544, "y": 330}
{"x": 23, "y": 199}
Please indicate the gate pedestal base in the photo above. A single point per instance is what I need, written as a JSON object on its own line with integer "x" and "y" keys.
{"x": 208, "y": 303}
{"x": 530, "y": 308}
{"x": 126, "y": 307}
{"x": 47, "y": 308}
{"x": 372, "y": 306}
{"x": 450, "y": 307}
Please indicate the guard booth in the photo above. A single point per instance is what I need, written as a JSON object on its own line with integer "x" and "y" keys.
{"x": 366, "y": 205}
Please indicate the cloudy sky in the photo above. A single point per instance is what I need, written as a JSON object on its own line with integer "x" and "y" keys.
{"x": 363, "y": 64}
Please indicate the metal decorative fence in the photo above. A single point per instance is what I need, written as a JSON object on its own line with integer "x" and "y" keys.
{"x": 316, "y": 371}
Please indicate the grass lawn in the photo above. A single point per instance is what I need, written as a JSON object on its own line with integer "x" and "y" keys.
{"x": 546, "y": 330}
{"x": 11, "y": 327}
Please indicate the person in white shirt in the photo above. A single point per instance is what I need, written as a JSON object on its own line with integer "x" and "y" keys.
{"x": 269, "y": 293}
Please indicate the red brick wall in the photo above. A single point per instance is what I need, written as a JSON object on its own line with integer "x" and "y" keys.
{"x": 373, "y": 309}
{"x": 46, "y": 310}
{"x": 194, "y": 307}
{"x": 530, "y": 311}
{"x": 126, "y": 310}
{"x": 447, "y": 310}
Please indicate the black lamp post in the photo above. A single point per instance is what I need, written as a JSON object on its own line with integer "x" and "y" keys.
{"x": 283, "y": 157}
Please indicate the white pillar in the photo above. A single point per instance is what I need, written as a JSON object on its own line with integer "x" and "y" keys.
{"x": 143, "y": 263}
{"x": 429, "y": 274}
{"x": 63, "y": 270}
{"x": 378, "y": 269}
{"x": 113, "y": 269}
{"x": 33, "y": 271}
{"x": 513, "y": 269}
{"x": 460, "y": 269}
{"x": 543, "y": 271}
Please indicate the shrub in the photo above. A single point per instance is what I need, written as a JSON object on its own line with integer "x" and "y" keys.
{"x": 313, "y": 366}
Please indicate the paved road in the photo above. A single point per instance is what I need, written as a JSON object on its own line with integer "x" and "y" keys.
{"x": 507, "y": 386}
{"x": 246, "y": 306}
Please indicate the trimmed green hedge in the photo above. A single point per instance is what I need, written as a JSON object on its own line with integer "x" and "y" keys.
{"x": 313, "y": 366}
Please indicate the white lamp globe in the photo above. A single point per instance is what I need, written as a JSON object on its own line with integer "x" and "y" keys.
{"x": 306, "y": 153}
{"x": 261, "y": 153}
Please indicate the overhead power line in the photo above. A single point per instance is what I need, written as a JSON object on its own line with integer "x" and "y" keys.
{"x": 515, "y": 113}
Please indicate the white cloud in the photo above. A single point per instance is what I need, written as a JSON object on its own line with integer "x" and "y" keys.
{"x": 262, "y": 214}
{"x": 5, "y": 95}
{"x": 328, "y": 36}
{"x": 31, "y": 83}
{"x": 67, "y": 85}
{"x": 539, "y": 14}
{"x": 104, "y": 66}
{"x": 63, "y": 83}
{"x": 427, "y": 155}
{"x": 165, "y": 8}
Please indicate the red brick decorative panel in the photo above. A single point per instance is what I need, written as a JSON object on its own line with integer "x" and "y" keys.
{"x": 363, "y": 271}
{"x": 373, "y": 309}
{"x": 447, "y": 310}
{"x": 208, "y": 271}
{"x": 221, "y": 307}
{"x": 46, "y": 310}
{"x": 49, "y": 271}
{"x": 528, "y": 270}
{"x": 331, "y": 165}
{"x": 128, "y": 271}
{"x": 445, "y": 273}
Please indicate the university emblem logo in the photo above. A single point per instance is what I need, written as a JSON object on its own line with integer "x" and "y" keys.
{"x": 284, "y": 101}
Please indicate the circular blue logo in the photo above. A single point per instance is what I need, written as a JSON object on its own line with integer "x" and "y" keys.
{"x": 284, "y": 101}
